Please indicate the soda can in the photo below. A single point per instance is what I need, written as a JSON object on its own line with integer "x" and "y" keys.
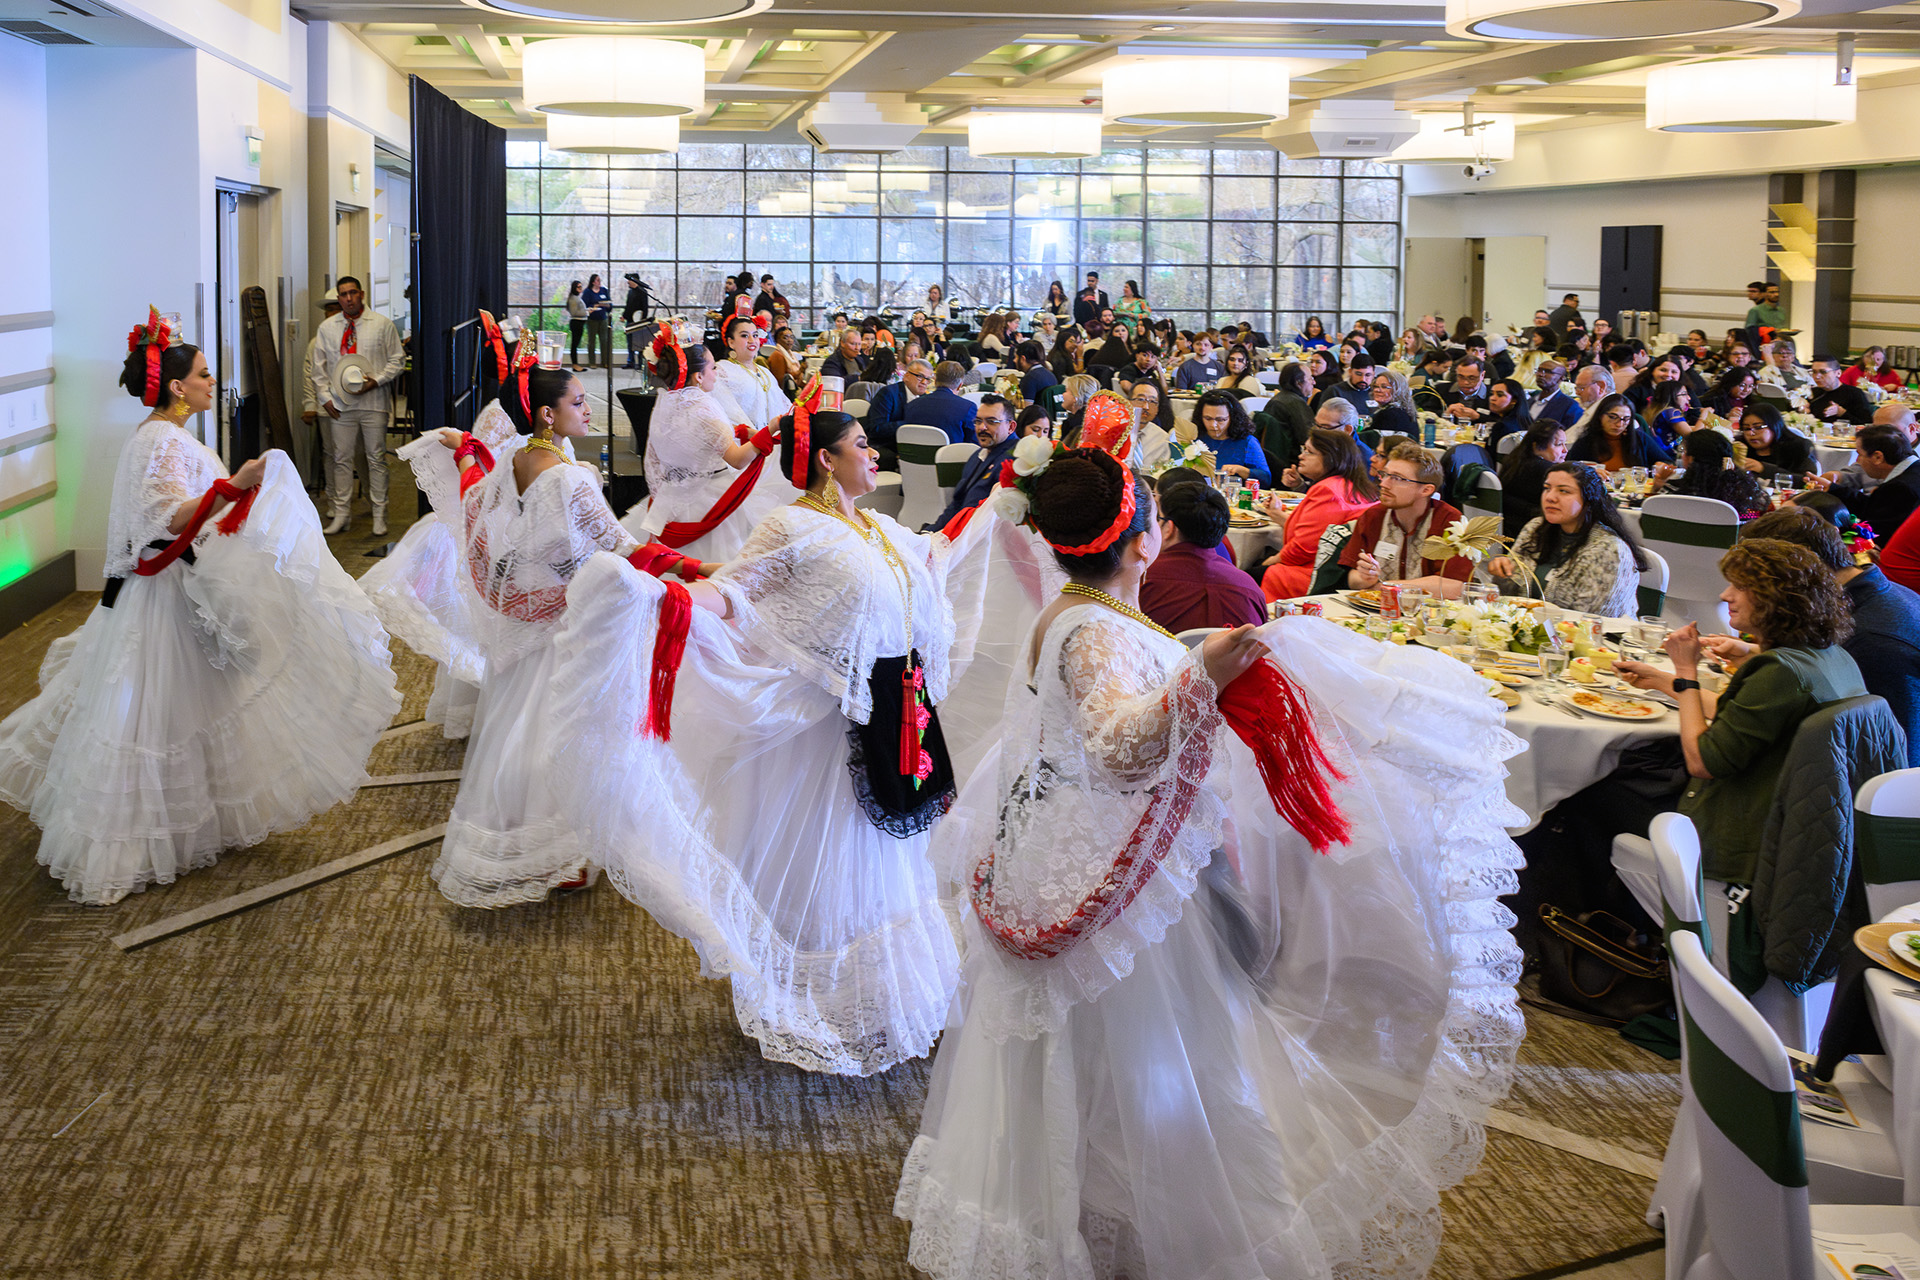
{"x": 1312, "y": 609}
{"x": 1283, "y": 609}
{"x": 1389, "y": 599}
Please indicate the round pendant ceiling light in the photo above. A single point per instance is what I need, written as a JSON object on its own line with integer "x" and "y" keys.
{"x": 614, "y": 76}
{"x": 626, "y": 13}
{"x": 1444, "y": 139}
{"x": 1550, "y": 20}
{"x": 1034, "y": 135}
{"x": 1748, "y": 95}
{"x": 1195, "y": 91}
{"x": 614, "y": 135}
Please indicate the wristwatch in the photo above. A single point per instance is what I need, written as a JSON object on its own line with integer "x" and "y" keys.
{"x": 1680, "y": 684}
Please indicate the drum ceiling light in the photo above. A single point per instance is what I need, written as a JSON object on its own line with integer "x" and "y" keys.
{"x": 1190, "y": 91}
{"x": 614, "y": 135}
{"x": 614, "y": 76}
{"x": 1748, "y": 95}
{"x": 1554, "y": 20}
{"x": 1034, "y": 135}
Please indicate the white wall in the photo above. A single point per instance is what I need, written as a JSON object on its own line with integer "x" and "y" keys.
{"x": 30, "y": 536}
{"x": 1884, "y": 262}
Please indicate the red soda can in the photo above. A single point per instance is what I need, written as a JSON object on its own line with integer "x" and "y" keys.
{"x": 1389, "y": 599}
{"x": 1312, "y": 609}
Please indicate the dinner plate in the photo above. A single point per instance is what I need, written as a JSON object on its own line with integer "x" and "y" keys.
{"x": 1499, "y": 675}
{"x": 1367, "y": 599}
{"x": 1595, "y": 702}
{"x": 1878, "y": 942}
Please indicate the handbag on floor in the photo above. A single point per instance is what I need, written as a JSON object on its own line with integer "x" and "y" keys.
{"x": 1601, "y": 968}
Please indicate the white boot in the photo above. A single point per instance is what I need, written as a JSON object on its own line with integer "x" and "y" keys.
{"x": 379, "y": 524}
{"x": 338, "y": 524}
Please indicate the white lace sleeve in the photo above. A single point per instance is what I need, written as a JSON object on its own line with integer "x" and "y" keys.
{"x": 493, "y": 427}
{"x": 174, "y": 475}
{"x": 437, "y": 472}
{"x": 593, "y": 518}
{"x": 1126, "y": 705}
{"x": 690, "y": 437}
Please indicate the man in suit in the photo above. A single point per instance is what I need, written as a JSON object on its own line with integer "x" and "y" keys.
{"x": 1090, "y": 302}
{"x": 1035, "y": 375}
{"x": 845, "y": 363}
{"x": 1885, "y": 456}
{"x": 993, "y": 428}
{"x": 1466, "y": 396}
{"x": 1551, "y": 402}
{"x": 944, "y": 407}
{"x": 888, "y": 409}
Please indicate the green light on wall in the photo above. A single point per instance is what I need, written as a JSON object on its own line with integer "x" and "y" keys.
{"x": 15, "y": 564}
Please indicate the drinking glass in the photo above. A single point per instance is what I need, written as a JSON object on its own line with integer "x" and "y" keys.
{"x": 1637, "y": 479}
{"x": 1380, "y": 628}
{"x": 1411, "y": 601}
{"x": 1462, "y": 653}
{"x": 1479, "y": 594}
{"x": 1553, "y": 664}
{"x": 1651, "y": 633}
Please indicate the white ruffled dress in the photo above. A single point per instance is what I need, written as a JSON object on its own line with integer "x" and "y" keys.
{"x": 214, "y": 703}
{"x": 750, "y": 394}
{"x": 1269, "y": 1062}
{"x": 507, "y": 840}
{"x": 746, "y": 833}
{"x": 423, "y": 595}
{"x": 687, "y": 473}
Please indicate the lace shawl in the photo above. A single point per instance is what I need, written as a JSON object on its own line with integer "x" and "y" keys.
{"x": 750, "y": 395}
{"x": 687, "y": 438}
{"x": 826, "y": 603}
{"x": 523, "y": 549}
{"x": 161, "y": 467}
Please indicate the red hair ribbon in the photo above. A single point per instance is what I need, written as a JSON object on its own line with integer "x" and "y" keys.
{"x": 156, "y": 336}
{"x": 663, "y": 342}
{"x": 523, "y": 366}
{"x": 498, "y": 341}
{"x": 1113, "y": 531}
{"x": 803, "y": 409}
{"x": 762, "y": 323}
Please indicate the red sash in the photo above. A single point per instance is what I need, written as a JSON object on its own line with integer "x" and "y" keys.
{"x": 229, "y": 523}
{"x": 681, "y": 532}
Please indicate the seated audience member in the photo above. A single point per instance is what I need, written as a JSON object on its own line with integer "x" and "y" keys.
{"x": 1069, "y": 354}
{"x": 1432, "y": 369}
{"x": 1732, "y": 393}
{"x": 1872, "y": 367}
{"x": 1312, "y": 337}
{"x": 888, "y": 409}
{"x": 846, "y": 363}
{"x": 1203, "y": 369}
{"x": 1144, "y": 367}
{"x": 1782, "y": 367}
{"x": 1833, "y": 401}
{"x": 1334, "y": 415}
{"x": 993, "y": 428}
{"x": 1523, "y": 472}
{"x": 1148, "y": 397}
{"x": 1338, "y": 490}
{"x": 1466, "y": 396}
{"x": 1658, "y": 374}
{"x": 1033, "y": 421}
{"x": 1506, "y": 411}
{"x": 1288, "y": 417}
{"x": 1896, "y": 415}
{"x": 1615, "y": 439}
{"x": 1552, "y": 401}
{"x": 1237, "y": 373}
{"x": 1115, "y": 349}
{"x": 1735, "y": 745}
{"x": 1711, "y": 474}
{"x": 1352, "y": 386}
{"x": 1886, "y": 456}
{"x": 1393, "y": 411}
{"x": 1671, "y": 412}
{"x": 943, "y": 407}
{"x": 1188, "y": 584}
{"x": 1773, "y": 450}
{"x": 1885, "y": 644}
{"x": 1387, "y": 536}
{"x": 1591, "y": 385}
{"x": 1035, "y": 376}
{"x": 1075, "y": 390}
{"x": 1227, "y": 432}
{"x": 1577, "y": 554}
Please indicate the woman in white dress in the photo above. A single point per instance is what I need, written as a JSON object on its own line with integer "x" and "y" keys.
{"x": 748, "y": 392}
{"x": 529, "y": 519}
{"x": 783, "y": 830}
{"x": 1196, "y": 1037}
{"x": 230, "y": 684}
{"x": 707, "y": 487}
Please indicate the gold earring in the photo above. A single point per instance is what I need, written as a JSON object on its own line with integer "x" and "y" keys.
{"x": 832, "y": 492}
{"x": 545, "y": 431}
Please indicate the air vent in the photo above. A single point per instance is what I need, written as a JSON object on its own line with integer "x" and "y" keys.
{"x": 41, "y": 33}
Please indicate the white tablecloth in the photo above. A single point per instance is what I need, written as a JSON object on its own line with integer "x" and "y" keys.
{"x": 1828, "y": 458}
{"x": 1251, "y": 546}
{"x": 1898, "y": 1019}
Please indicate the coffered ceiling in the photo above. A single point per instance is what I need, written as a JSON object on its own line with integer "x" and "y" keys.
{"x": 764, "y": 69}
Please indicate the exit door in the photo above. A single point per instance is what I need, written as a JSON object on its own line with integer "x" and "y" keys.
{"x": 236, "y": 267}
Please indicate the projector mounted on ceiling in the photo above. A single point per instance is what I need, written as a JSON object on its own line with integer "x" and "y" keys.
{"x": 1341, "y": 129}
{"x": 863, "y": 122}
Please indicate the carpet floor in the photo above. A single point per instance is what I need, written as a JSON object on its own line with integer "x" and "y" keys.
{"x": 363, "y": 1080}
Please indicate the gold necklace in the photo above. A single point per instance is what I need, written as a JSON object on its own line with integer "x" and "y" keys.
{"x": 537, "y": 442}
{"x": 1095, "y": 593}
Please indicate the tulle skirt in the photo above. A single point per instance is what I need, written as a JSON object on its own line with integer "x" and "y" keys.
{"x": 743, "y": 835}
{"x": 689, "y": 501}
{"x": 420, "y": 592}
{"x": 215, "y": 704}
{"x": 507, "y": 841}
{"x": 1291, "y": 1059}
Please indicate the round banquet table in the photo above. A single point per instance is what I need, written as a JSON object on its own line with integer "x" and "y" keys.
{"x": 1898, "y": 1019}
{"x": 1253, "y": 544}
{"x": 1831, "y": 457}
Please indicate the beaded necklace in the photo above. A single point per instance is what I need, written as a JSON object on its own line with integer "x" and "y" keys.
{"x": 1121, "y": 606}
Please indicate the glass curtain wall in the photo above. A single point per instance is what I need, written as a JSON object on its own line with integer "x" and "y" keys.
{"x": 1209, "y": 235}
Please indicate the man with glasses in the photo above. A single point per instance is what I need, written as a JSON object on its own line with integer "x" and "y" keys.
{"x": 888, "y": 409}
{"x": 1386, "y": 541}
{"x": 993, "y": 428}
{"x": 1553, "y": 402}
{"x": 1467, "y": 397}
{"x": 359, "y": 413}
{"x": 1834, "y": 401}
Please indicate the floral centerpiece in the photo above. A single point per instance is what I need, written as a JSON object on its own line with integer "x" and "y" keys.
{"x": 1803, "y": 423}
{"x": 1512, "y": 627}
{"x": 1402, "y": 367}
{"x": 1190, "y": 454}
{"x": 1470, "y": 538}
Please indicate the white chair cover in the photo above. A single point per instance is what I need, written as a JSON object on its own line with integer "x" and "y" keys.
{"x": 1691, "y": 534}
{"x": 886, "y": 496}
{"x": 1254, "y": 404}
{"x": 1893, "y": 795}
{"x": 921, "y": 499}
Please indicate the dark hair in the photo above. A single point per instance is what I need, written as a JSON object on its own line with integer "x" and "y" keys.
{"x": 352, "y": 280}
{"x": 991, "y": 398}
{"x": 726, "y": 330}
{"x": 1344, "y": 459}
{"x": 1711, "y": 474}
{"x": 1028, "y": 416}
{"x": 1294, "y": 377}
{"x": 1523, "y": 455}
{"x": 175, "y": 363}
{"x": 1619, "y": 353}
{"x": 546, "y": 388}
{"x": 1708, "y": 446}
{"x": 1804, "y": 528}
{"x": 1889, "y": 442}
{"x": 1029, "y": 350}
{"x": 1239, "y": 425}
{"x": 1134, "y": 285}
{"x": 1237, "y": 349}
{"x": 1769, "y": 417}
{"x": 1074, "y": 501}
{"x": 1306, "y": 330}
{"x": 1731, "y": 377}
{"x": 1550, "y": 542}
{"x": 825, "y": 430}
{"x": 1797, "y": 601}
{"x": 1829, "y": 508}
{"x": 1361, "y": 360}
{"x": 571, "y": 289}
{"x": 881, "y": 368}
{"x": 1636, "y": 444}
{"x": 665, "y": 368}
{"x": 1476, "y": 340}
{"x": 1198, "y": 511}
{"x": 1516, "y": 394}
{"x": 1146, "y": 349}
{"x": 1176, "y": 476}
{"x": 1665, "y": 393}
{"x": 1056, "y": 290}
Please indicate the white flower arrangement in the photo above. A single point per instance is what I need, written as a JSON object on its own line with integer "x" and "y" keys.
{"x": 1402, "y": 367}
{"x": 1192, "y": 455}
{"x": 1466, "y": 538}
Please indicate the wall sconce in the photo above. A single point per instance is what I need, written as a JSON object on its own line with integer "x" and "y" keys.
{"x": 254, "y": 139}
{"x": 353, "y": 177}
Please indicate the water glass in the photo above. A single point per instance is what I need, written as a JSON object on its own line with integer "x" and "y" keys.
{"x": 1462, "y": 653}
{"x": 1479, "y": 594}
{"x": 1637, "y": 479}
{"x": 1553, "y": 663}
{"x": 1412, "y": 599}
{"x": 1650, "y": 634}
{"x": 1380, "y": 628}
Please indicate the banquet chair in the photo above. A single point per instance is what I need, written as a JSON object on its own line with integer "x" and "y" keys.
{"x": 1254, "y": 404}
{"x": 1268, "y": 377}
{"x": 1691, "y": 534}
{"x": 919, "y": 448}
{"x": 1193, "y": 636}
{"x": 1486, "y": 498}
{"x": 1768, "y": 391}
{"x": 861, "y": 391}
{"x": 1653, "y": 584}
{"x": 855, "y": 408}
{"x": 986, "y": 369}
{"x": 1509, "y": 442}
{"x": 1054, "y": 400}
{"x": 974, "y": 396}
{"x": 1756, "y": 1216}
{"x": 1886, "y": 838}
{"x": 885, "y": 497}
{"x": 948, "y": 464}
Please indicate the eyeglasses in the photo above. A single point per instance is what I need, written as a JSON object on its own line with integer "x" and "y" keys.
{"x": 1391, "y": 478}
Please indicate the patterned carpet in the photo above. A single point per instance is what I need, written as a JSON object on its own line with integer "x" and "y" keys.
{"x": 363, "y": 1080}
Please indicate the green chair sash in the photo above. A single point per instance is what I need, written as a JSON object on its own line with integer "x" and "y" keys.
{"x": 1687, "y": 533}
{"x": 922, "y": 454}
{"x": 1889, "y": 848}
{"x": 1674, "y": 924}
{"x": 1762, "y": 1123}
{"x": 947, "y": 474}
{"x": 1652, "y": 601}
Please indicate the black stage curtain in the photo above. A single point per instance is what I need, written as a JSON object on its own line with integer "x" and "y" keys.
{"x": 459, "y": 245}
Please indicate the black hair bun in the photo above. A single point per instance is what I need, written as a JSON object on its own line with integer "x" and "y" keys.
{"x": 1076, "y": 498}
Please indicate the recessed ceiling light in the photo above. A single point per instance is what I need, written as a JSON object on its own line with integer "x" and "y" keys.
{"x": 1164, "y": 26}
